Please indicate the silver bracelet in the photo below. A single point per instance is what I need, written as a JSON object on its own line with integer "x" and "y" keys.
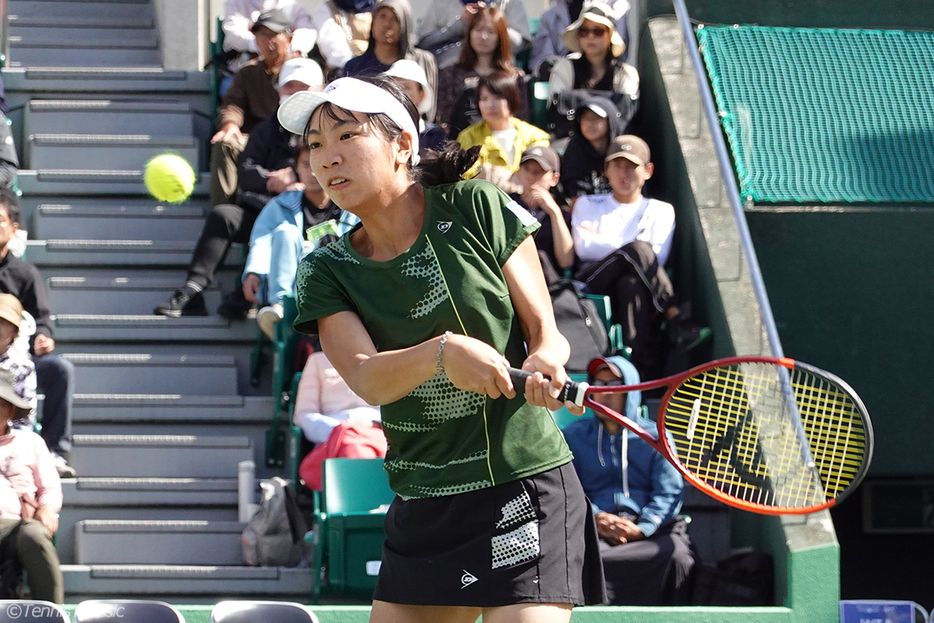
{"x": 444, "y": 339}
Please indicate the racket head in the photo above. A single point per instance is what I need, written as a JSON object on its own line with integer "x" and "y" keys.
{"x": 770, "y": 436}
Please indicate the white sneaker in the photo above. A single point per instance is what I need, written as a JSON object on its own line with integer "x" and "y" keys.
{"x": 267, "y": 318}
{"x": 62, "y": 467}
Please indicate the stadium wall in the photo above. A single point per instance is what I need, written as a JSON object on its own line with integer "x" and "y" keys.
{"x": 907, "y": 14}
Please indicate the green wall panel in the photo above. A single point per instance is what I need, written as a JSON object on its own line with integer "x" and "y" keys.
{"x": 851, "y": 293}
{"x": 907, "y": 14}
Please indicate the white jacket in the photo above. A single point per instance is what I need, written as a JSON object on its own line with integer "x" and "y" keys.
{"x": 600, "y": 225}
{"x": 240, "y": 15}
{"x": 625, "y": 81}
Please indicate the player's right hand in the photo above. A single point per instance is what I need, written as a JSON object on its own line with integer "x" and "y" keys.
{"x": 474, "y": 366}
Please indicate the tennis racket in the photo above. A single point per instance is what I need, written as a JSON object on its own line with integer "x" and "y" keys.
{"x": 771, "y": 436}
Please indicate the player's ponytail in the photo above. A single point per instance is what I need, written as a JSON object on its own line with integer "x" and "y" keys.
{"x": 446, "y": 166}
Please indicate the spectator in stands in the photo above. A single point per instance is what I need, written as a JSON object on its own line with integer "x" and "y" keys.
{"x": 15, "y": 332}
{"x": 54, "y": 375}
{"x": 539, "y": 172}
{"x": 502, "y": 137}
{"x": 291, "y": 225}
{"x": 596, "y": 122}
{"x": 392, "y": 38}
{"x": 251, "y": 98}
{"x": 323, "y": 400}
{"x": 487, "y": 50}
{"x": 266, "y": 170}
{"x": 241, "y": 15}
{"x": 636, "y": 496}
{"x": 548, "y": 45}
{"x": 9, "y": 162}
{"x": 336, "y": 420}
{"x": 441, "y": 30}
{"x": 30, "y": 497}
{"x": 596, "y": 59}
{"x": 343, "y": 30}
{"x": 623, "y": 240}
{"x": 410, "y": 77}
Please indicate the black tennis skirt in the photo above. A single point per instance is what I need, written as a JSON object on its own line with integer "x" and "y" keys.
{"x": 528, "y": 541}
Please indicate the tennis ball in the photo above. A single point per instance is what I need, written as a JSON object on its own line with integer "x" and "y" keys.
{"x": 169, "y": 178}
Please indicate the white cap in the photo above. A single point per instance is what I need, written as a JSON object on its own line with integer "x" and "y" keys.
{"x": 303, "y": 70}
{"x": 350, "y": 94}
{"x": 408, "y": 69}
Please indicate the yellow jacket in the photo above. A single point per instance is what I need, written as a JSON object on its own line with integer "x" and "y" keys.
{"x": 527, "y": 135}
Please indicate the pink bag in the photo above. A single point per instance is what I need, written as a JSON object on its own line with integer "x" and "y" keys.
{"x": 349, "y": 439}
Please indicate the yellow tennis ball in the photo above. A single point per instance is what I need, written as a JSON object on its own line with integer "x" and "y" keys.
{"x": 169, "y": 178}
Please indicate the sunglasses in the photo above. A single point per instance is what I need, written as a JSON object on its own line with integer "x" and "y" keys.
{"x": 617, "y": 383}
{"x": 587, "y": 32}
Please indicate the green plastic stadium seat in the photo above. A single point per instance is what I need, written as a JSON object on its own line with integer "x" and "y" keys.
{"x": 355, "y": 499}
{"x": 282, "y": 437}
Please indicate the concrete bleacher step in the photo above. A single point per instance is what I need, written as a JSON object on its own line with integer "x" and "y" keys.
{"x": 29, "y": 82}
{"x": 104, "y": 151}
{"x": 37, "y": 51}
{"x": 25, "y": 84}
{"x": 115, "y": 253}
{"x": 155, "y": 542}
{"x": 99, "y": 373}
{"x": 157, "y": 221}
{"x": 178, "y": 414}
{"x": 165, "y": 456}
{"x": 188, "y": 499}
{"x": 113, "y": 328}
{"x": 90, "y": 182}
{"x": 121, "y": 295}
{"x": 173, "y": 411}
{"x": 145, "y": 492}
{"x": 108, "y": 117}
{"x": 241, "y": 351}
{"x": 187, "y": 582}
{"x": 81, "y": 9}
{"x": 106, "y": 28}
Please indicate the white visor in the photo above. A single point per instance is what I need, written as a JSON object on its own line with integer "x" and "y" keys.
{"x": 350, "y": 94}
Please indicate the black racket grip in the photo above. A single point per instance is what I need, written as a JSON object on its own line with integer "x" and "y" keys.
{"x": 571, "y": 392}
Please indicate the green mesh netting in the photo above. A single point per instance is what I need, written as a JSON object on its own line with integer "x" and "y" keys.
{"x": 824, "y": 115}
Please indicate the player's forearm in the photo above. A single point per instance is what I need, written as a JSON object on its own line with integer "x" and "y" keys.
{"x": 384, "y": 377}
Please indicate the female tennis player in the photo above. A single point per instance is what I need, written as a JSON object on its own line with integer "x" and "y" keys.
{"x": 421, "y": 308}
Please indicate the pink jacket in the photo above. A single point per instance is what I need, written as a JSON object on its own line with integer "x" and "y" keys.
{"x": 26, "y": 467}
{"x": 324, "y": 400}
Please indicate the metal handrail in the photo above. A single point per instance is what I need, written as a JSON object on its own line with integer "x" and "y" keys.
{"x": 726, "y": 172}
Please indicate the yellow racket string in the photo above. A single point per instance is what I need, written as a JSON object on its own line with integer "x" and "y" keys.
{"x": 735, "y": 428}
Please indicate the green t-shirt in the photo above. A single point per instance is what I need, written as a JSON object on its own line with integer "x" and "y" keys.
{"x": 443, "y": 440}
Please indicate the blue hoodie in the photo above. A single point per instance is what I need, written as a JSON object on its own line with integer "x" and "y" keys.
{"x": 645, "y": 485}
